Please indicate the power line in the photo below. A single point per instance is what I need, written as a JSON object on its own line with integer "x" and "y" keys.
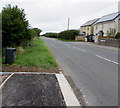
{"x": 100, "y": 9}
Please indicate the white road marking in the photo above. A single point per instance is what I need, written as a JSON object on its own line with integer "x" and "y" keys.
{"x": 59, "y": 42}
{"x": 95, "y": 55}
{"x": 107, "y": 59}
{"x": 73, "y": 47}
{"x": 6, "y": 80}
{"x": 79, "y": 49}
{"x": 68, "y": 94}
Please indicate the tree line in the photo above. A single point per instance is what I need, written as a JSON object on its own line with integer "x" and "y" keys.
{"x": 66, "y": 35}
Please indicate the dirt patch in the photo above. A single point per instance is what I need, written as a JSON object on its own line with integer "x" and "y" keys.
{"x": 12, "y": 68}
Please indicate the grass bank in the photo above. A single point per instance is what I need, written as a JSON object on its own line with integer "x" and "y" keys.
{"x": 36, "y": 55}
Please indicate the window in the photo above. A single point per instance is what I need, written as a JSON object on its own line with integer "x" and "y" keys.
{"x": 96, "y": 27}
{"x": 102, "y": 26}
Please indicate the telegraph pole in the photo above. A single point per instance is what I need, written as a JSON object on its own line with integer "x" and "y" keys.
{"x": 68, "y": 23}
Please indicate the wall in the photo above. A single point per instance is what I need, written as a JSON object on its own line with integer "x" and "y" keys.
{"x": 104, "y": 27}
{"x": 118, "y": 24}
{"x": 109, "y": 42}
{"x": 80, "y": 38}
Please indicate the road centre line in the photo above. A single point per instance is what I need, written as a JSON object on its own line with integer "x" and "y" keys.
{"x": 107, "y": 59}
{"x": 6, "y": 80}
{"x": 94, "y": 54}
{"x": 79, "y": 49}
{"x": 73, "y": 47}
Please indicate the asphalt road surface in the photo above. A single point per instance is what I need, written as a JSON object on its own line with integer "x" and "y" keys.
{"x": 94, "y": 70}
{"x": 32, "y": 90}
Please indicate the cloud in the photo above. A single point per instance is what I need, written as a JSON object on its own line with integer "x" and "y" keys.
{"x": 52, "y": 15}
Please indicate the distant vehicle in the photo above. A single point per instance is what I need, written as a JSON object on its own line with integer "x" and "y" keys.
{"x": 90, "y": 38}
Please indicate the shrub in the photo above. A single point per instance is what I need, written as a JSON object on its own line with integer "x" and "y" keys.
{"x": 117, "y": 36}
{"x": 15, "y": 27}
{"x": 68, "y": 34}
{"x": 52, "y": 35}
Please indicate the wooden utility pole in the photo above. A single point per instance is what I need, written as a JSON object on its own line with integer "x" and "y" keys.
{"x": 68, "y": 23}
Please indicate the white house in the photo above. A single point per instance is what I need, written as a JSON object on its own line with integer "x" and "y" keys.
{"x": 108, "y": 25}
{"x": 87, "y": 28}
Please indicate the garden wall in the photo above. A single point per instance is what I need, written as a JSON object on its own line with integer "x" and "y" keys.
{"x": 109, "y": 42}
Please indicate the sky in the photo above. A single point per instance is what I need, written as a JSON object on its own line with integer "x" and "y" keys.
{"x": 52, "y": 15}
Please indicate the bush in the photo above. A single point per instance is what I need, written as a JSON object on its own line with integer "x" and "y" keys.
{"x": 52, "y": 35}
{"x": 15, "y": 27}
{"x": 68, "y": 34}
{"x": 117, "y": 36}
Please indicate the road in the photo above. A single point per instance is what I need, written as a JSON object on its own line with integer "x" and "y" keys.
{"x": 94, "y": 70}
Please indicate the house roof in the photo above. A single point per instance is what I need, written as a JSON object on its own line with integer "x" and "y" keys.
{"x": 88, "y": 23}
{"x": 109, "y": 17}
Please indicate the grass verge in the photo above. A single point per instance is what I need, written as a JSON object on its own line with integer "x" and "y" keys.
{"x": 38, "y": 54}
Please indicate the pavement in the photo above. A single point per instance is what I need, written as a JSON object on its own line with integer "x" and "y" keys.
{"x": 36, "y": 89}
{"x": 92, "y": 68}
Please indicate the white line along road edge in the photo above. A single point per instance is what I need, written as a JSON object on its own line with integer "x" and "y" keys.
{"x": 6, "y": 80}
{"x": 68, "y": 94}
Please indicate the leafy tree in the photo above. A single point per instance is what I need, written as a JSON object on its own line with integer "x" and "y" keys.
{"x": 38, "y": 31}
{"x": 15, "y": 26}
{"x": 52, "y": 35}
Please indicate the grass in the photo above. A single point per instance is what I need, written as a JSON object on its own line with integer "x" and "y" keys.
{"x": 36, "y": 55}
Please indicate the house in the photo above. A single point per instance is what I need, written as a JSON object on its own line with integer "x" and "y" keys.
{"x": 107, "y": 25}
{"x": 87, "y": 28}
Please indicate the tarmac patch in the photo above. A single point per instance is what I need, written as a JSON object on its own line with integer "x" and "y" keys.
{"x": 32, "y": 90}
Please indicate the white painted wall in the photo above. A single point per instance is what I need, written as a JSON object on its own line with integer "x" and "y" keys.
{"x": 117, "y": 23}
{"x": 105, "y": 27}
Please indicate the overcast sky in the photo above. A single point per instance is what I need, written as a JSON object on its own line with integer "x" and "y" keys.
{"x": 52, "y": 15}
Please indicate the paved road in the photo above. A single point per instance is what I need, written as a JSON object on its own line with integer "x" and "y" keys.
{"x": 94, "y": 70}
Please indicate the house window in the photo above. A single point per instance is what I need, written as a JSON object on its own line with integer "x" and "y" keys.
{"x": 102, "y": 26}
{"x": 96, "y": 27}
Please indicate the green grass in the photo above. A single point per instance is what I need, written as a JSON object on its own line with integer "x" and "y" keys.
{"x": 36, "y": 55}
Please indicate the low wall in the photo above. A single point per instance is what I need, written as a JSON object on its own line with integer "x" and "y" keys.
{"x": 109, "y": 42}
{"x": 80, "y": 38}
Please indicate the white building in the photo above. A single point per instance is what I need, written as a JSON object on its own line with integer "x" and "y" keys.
{"x": 107, "y": 25}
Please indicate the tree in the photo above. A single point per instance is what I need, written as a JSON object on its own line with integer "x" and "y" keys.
{"x": 68, "y": 34}
{"x": 51, "y": 34}
{"x": 38, "y": 31}
{"x": 117, "y": 36}
{"x": 15, "y": 26}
